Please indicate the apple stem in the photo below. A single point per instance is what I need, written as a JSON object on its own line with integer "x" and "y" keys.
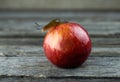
{"x": 50, "y": 25}
{"x": 38, "y": 27}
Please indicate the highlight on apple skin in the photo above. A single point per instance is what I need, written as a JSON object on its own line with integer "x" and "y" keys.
{"x": 66, "y": 44}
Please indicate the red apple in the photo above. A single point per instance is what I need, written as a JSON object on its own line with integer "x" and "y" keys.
{"x": 66, "y": 45}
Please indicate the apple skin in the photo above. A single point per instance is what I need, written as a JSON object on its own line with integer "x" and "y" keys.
{"x": 67, "y": 45}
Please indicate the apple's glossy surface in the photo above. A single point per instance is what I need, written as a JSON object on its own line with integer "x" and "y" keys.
{"x": 67, "y": 45}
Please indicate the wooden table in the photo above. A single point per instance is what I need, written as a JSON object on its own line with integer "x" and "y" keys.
{"x": 22, "y": 58}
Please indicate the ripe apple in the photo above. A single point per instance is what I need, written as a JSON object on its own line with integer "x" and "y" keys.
{"x": 66, "y": 45}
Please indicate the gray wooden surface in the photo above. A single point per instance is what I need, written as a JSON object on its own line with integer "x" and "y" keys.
{"x": 61, "y": 4}
{"x": 22, "y": 58}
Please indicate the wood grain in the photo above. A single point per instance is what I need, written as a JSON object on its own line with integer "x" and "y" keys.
{"x": 37, "y": 51}
{"x": 70, "y": 15}
{"x": 21, "y": 24}
{"x": 72, "y": 79}
{"x": 62, "y": 4}
{"x": 94, "y": 67}
{"x": 27, "y": 29}
{"x": 38, "y": 41}
{"x": 22, "y": 58}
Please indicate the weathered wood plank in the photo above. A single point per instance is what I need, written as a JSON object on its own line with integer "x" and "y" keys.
{"x": 94, "y": 67}
{"x": 37, "y": 51}
{"x": 71, "y": 79}
{"x": 21, "y": 51}
{"x": 21, "y": 23}
{"x": 52, "y": 4}
{"x": 96, "y": 42}
{"x": 22, "y": 41}
{"x": 105, "y": 42}
{"x": 26, "y": 29}
{"x": 33, "y": 41}
{"x": 22, "y": 57}
{"x": 71, "y": 15}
